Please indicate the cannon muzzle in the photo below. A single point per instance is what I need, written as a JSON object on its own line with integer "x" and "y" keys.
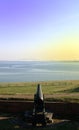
{"x": 39, "y": 94}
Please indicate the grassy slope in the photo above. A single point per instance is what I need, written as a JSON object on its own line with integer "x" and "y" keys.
{"x": 53, "y": 90}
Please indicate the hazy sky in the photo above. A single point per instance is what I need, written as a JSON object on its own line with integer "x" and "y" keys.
{"x": 39, "y": 29}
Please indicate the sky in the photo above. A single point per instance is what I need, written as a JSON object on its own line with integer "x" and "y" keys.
{"x": 39, "y": 30}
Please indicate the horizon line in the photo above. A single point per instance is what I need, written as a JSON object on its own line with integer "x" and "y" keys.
{"x": 41, "y": 60}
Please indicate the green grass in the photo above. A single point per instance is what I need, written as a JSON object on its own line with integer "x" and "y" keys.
{"x": 47, "y": 87}
{"x": 53, "y": 90}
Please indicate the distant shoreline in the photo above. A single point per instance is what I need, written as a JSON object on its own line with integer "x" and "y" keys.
{"x": 39, "y": 60}
{"x": 49, "y": 81}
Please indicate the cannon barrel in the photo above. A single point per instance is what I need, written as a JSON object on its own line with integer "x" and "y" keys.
{"x": 39, "y": 94}
{"x": 39, "y": 104}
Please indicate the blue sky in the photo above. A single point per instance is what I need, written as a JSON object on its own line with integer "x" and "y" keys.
{"x": 39, "y": 29}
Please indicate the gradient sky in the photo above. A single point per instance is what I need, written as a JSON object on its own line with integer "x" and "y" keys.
{"x": 39, "y": 29}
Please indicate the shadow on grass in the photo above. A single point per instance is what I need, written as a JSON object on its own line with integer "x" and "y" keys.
{"x": 73, "y": 90}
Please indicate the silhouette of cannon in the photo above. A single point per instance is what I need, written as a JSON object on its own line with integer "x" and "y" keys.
{"x": 39, "y": 115}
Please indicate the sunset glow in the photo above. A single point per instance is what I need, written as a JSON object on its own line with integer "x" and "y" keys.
{"x": 39, "y": 29}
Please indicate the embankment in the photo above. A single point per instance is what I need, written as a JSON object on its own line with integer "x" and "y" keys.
{"x": 58, "y": 108}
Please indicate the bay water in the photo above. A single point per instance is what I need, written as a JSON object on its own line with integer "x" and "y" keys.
{"x": 28, "y": 71}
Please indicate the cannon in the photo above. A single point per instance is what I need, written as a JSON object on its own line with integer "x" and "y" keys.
{"x": 39, "y": 105}
{"x": 38, "y": 115}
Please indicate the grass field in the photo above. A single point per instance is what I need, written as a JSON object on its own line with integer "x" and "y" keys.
{"x": 53, "y": 90}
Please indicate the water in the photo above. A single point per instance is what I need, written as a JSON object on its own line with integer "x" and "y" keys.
{"x": 26, "y": 71}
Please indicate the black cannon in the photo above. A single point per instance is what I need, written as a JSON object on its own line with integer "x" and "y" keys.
{"x": 39, "y": 107}
{"x": 40, "y": 116}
